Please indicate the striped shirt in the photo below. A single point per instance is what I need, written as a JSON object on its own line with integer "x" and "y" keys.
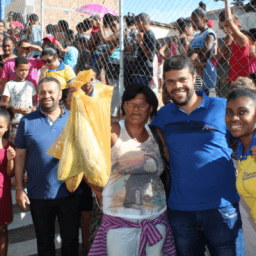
{"x": 150, "y": 234}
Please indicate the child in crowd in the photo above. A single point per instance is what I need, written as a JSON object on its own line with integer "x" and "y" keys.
{"x": 7, "y": 155}
{"x": 1, "y": 68}
{"x": 143, "y": 64}
{"x": 83, "y": 29}
{"x": 243, "y": 82}
{"x": 84, "y": 54}
{"x": 239, "y": 60}
{"x": 71, "y": 53}
{"x": 20, "y": 93}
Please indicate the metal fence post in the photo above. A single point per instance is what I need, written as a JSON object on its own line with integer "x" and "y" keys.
{"x": 42, "y": 18}
{"x": 2, "y": 7}
{"x": 121, "y": 45}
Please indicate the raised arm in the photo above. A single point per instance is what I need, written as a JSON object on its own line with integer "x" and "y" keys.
{"x": 238, "y": 36}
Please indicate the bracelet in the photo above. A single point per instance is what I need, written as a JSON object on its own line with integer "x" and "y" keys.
{"x": 18, "y": 188}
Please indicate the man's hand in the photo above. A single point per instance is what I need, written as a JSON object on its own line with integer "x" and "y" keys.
{"x": 24, "y": 111}
{"x": 10, "y": 153}
{"x": 22, "y": 198}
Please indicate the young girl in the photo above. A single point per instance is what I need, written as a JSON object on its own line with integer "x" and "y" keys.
{"x": 239, "y": 60}
{"x": 241, "y": 121}
{"x": 201, "y": 51}
{"x": 7, "y": 155}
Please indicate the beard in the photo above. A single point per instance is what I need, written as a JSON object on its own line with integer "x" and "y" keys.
{"x": 184, "y": 102}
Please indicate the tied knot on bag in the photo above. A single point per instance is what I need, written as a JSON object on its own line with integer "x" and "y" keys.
{"x": 150, "y": 234}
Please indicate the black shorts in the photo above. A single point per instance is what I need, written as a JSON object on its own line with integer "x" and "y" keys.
{"x": 86, "y": 197}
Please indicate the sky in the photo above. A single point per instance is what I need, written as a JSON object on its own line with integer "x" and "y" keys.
{"x": 165, "y": 11}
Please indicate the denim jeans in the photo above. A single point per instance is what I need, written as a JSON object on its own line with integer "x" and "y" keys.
{"x": 220, "y": 229}
{"x": 139, "y": 79}
{"x": 44, "y": 213}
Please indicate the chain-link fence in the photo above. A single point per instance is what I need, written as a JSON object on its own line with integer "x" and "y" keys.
{"x": 88, "y": 34}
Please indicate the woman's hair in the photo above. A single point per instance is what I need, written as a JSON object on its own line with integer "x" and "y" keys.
{"x": 109, "y": 18}
{"x": 87, "y": 24}
{"x": 33, "y": 17}
{"x": 80, "y": 26}
{"x": 8, "y": 39}
{"x": 18, "y": 17}
{"x": 49, "y": 29}
{"x": 2, "y": 22}
{"x": 132, "y": 91}
{"x": 1, "y": 64}
{"x": 244, "y": 82}
{"x": 7, "y": 113}
{"x": 199, "y": 12}
{"x": 130, "y": 19}
{"x": 242, "y": 92}
{"x": 222, "y": 16}
{"x": 50, "y": 50}
{"x": 183, "y": 23}
{"x": 63, "y": 24}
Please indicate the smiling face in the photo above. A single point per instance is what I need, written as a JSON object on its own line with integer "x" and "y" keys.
{"x": 8, "y": 47}
{"x": 139, "y": 113}
{"x": 241, "y": 116}
{"x": 180, "y": 85}
{"x": 50, "y": 61}
{"x": 49, "y": 96}
{"x": 198, "y": 22}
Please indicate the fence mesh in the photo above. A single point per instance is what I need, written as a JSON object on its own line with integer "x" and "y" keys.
{"x": 85, "y": 38}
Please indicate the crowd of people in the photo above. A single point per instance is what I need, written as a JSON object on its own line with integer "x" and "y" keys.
{"x": 196, "y": 132}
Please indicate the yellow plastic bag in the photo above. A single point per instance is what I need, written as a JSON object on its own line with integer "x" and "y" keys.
{"x": 84, "y": 146}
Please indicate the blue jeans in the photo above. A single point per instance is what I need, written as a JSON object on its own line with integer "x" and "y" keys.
{"x": 140, "y": 79}
{"x": 220, "y": 229}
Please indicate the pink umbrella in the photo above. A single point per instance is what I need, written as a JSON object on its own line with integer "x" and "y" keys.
{"x": 93, "y": 9}
{"x": 17, "y": 24}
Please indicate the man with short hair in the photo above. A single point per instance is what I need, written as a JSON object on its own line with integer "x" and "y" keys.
{"x": 24, "y": 47}
{"x": 143, "y": 64}
{"x": 48, "y": 197}
{"x": 203, "y": 203}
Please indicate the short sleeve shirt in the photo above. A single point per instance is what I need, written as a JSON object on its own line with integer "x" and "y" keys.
{"x": 202, "y": 170}
{"x": 64, "y": 74}
{"x": 36, "y": 135}
{"x": 9, "y": 74}
{"x": 20, "y": 94}
{"x": 71, "y": 57}
{"x": 143, "y": 64}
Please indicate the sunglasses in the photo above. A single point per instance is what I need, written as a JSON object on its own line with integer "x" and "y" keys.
{"x": 48, "y": 60}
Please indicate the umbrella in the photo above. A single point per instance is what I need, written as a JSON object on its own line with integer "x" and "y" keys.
{"x": 17, "y": 24}
{"x": 96, "y": 9}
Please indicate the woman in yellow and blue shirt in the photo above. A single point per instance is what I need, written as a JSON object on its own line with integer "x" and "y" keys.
{"x": 54, "y": 67}
{"x": 241, "y": 121}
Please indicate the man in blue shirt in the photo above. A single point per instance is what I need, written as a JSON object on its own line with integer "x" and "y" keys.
{"x": 48, "y": 197}
{"x": 203, "y": 203}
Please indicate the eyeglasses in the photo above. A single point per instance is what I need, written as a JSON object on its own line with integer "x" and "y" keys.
{"x": 142, "y": 105}
{"x": 48, "y": 61}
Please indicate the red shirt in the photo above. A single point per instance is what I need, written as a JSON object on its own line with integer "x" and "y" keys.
{"x": 239, "y": 61}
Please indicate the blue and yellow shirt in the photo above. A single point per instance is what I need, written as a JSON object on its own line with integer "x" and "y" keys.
{"x": 64, "y": 74}
{"x": 246, "y": 179}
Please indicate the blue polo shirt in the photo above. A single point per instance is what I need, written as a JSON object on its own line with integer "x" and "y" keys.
{"x": 36, "y": 134}
{"x": 203, "y": 175}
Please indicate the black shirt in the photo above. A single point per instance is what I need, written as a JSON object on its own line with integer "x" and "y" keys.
{"x": 143, "y": 64}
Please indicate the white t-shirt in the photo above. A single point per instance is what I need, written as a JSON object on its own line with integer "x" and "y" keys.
{"x": 20, "y": 94}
